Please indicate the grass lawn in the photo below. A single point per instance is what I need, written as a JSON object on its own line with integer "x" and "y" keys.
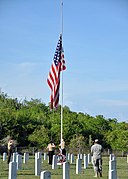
{"x": 28, "y": 170}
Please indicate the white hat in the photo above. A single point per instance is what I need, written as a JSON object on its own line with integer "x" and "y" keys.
{"x": 96, "y": 140}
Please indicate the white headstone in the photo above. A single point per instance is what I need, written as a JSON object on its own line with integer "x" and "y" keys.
{"x": 112, "y": 174}
{"x": 14, "y": 157}
{"x": 85, "y": 161}
{"x": 111, "y": 157}
{"x": 4, "y": 156}
{"x": 36, "y": 155}
{"x": 72, "y": 158}
{"x": 39, "y": 155}
{"x": 37, "y": 166}
{"x": 81, "y": 156}
{"x": 26, "y": 157}
{"x": 19, "y": 161}
{"x": 89, "y": 158}
{"x": 54, "y": 162}
{"x": 78, "y": 156}
{"x": 45, "y": 156}
{"x": 112, "y": 169}
{"x": 45, "y": 175}
{"x": 78, "y": 165}
{"x": 66, "y": 170}
{"x": 12, "y": 170}
{"x": 68, "y": 157}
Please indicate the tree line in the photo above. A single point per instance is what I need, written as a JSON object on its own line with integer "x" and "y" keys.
{"x": 32, "y": 123}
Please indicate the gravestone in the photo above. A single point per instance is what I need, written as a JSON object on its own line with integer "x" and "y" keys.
{"x": 112, "y": 168}
{"x": 54, "y": 162}
{"x": 37, "y": 164}
{"x": 14, "y": 157}
{"x": 111, "y": 157}
{"x": 66, "y": 170}
{"x": 26, "y": 158}
{"x": 72, "y": 158}
{"x": 45, "y": 175}
{"x": 78, "y": 156}
{"x": 4, "y": 156}
{"x": 85, "y": 161}
{"x": 12, "y": 170}
{"x": 78, "y": 165}
{"x": 89, "y": 158}
{"x": 39, "y": 154}
{"x": 68, "y": 157}
{"x": 19, "y": 161}
{"x": 45, "y": 156}
{"x": 81, "y": 156}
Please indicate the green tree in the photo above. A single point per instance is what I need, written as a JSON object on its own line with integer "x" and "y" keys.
{"x": 39, "y": 137}
{"x": 117, "y": 137}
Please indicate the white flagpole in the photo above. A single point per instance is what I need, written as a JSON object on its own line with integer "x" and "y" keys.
{"x": 62, "y": 74}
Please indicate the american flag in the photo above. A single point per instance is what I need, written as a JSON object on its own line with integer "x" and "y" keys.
{"x": 53, "y": 79}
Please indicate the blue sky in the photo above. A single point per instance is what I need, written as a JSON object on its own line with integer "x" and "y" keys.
{"x": 95, "y": 40}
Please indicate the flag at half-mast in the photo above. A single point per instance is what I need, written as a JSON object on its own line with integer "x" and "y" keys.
{"x": 53, "y": 79}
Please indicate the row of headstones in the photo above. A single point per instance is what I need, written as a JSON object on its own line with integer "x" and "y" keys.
{"x": 16, "y": 164}
{"x": 66, "y": 165}
{"x": 18, "y": 158}
{"x": 71, "y": 158}
{"x": 112, "y": 166}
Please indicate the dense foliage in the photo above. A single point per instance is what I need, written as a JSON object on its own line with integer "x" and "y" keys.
{"x": 32, "y": 123}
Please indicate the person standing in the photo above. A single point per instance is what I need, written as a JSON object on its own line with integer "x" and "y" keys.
{"x": 51, "y": 148}
{"x": 96, "y": 151}
{"x": 62, "y": 147}
{"x": 10, "y": 149}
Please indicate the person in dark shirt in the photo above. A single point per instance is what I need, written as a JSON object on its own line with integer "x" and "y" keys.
{"x": 51, "y": 148}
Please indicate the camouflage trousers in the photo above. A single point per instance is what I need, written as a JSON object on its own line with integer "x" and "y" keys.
{"x": 97, "y": 164}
